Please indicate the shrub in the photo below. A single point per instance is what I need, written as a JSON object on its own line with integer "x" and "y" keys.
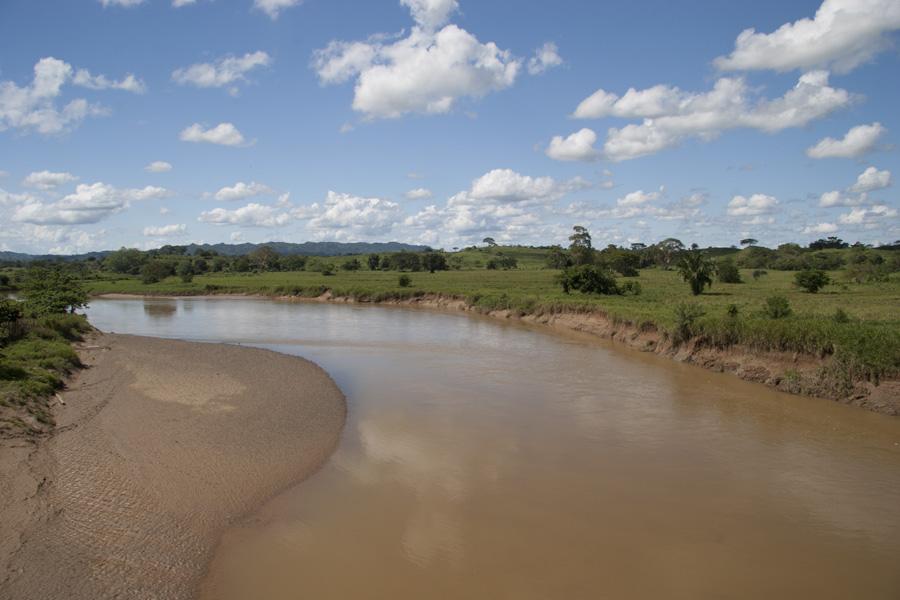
{"x": 757, "y": 273}
{"x": 352, "y": 265}
{"x": 732, "y": 311}
{"x": 503, "y": 262}
{"x": 52, "y": 291}
{"x": 404, "y": 281}
{"x": 185, "y": 270}
{"x": 811, "y": 280}
{"x": 686, "y": 316}
{"x": 155, "y": 271}
{"x": 777, "y": 307}
{"x": 728, "y": 272}
{"x": 840, "y": 316}
{"x": 631, "y": 287}
{"x": 589, "y": 279}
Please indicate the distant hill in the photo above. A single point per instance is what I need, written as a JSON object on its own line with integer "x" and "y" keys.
{"x": 308, "y": 248}
{"x": 286, "y": 248}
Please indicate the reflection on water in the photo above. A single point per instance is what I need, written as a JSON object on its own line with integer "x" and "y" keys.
{"x": 482, "y": 459}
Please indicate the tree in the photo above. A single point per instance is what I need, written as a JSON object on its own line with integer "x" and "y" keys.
{"x": 52, "y": 291}
{"x": 434, "y": 261}
{"x": 489, "y": 241}
{"x": 292, "y": 262}
{"x": 125, "y": 260}
{"x": 406, "y": 261}
{"x": 263, "y": 259}
{"x": 558, "y": 258}
{"x": 581, "y": 247}
{"x": 373, "y": 261}
{"x": 749, "y": 242}
{"x": 696, "y": 269}
{"x": 404, "y": 281}
{"x": 811, "y": 280}
{"x": 502, "y": 261}
{"x": 667, "y": 251}
{"x": 10, "y": 313}
{"x": 728, "y": 271}
{"x": 185, "y": 270}
{"x": 155, "y": 271}
{"x": 589, "y": 279}
{"x": 829, "y": 243}
{"x": 352, "y": 265}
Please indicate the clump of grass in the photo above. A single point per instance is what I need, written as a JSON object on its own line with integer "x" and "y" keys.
{"x": 777, "y": 307}
{"x": 686, "y": 316}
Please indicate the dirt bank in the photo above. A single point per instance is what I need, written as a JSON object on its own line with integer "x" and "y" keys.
{"x": 160, "y": 445}
{"x": 789, "y": 372}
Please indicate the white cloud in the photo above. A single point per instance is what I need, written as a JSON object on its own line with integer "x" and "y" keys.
{"x": 125, "y": 3}
{"x": 129, "y": 83}
{"x": 349, "y": 217}
{"x": 90, "y": 203}
{"x": 227, "y": 70}
{"x": 33, "y": 107}
{"x": 871, "y": 180}
{"x": 868, "y": 216}
{"x": 158, "y": 166}
{"x": 242, "y": 191}
{"x": 418, "y": 194}
{"x": 671, "y": 115}
{"x": 431, "y": 14}
{"x": 251, "y": 215}
{"x": 545, "y": 57}
{"x": 820, "y": 229}
{"x": 578, "y": 146}
{"x": 755, "y": 205}
{"x": 273, "y": 8}
{"x": 637, "y": 198}
{"x": 224, "y": 134}
{"x": 47, "y": 180}
{"x": 180, "y": 3}
{"x": 842, "y": 35}
{"x": 165, "y": 230}
{"x": 506, "y": 185}
{"x": 858, "y": 141}
{"x": 425, "y": 72}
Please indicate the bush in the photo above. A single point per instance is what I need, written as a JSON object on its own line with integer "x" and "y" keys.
{"x": 841, "y": 316}
{"x": 352, "y": 265}
{"x": 185, "y": 270}
{"x": 52, "y": 291}
{"x": 686, "y": 316}
{"x": 777, "y": 307}
{"x": 155, "y": 271}
{"x": 503, "y": 262}
{"x": 631, "y": 287}
{"x": 811, "y": 280}
{"x": 728, "y": 272}
{"x": 589, "y": 279}
{"x": 757, "y": 273}
{"x": 404, "y": 281}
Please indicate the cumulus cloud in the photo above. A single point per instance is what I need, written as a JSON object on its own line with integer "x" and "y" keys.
{"x": 868, "y": 216}
{"x": 33, "y": 107}
{"x": 545, "y": 57}
{"x": 755, "y": 205}
{"x": 242, "y": 191}
{"x": 820, "y": 229}
{"x": 225, "y": 71}
{"x": 273, "y": 8}
{"x": 90, "y": 203}
{"x": 671, "y": 115}
{"x": 165, "y": 230}
{"x": 870, "y": 180}
{"x": 224, "y": 134}
{"x": 418, "y": 194}
{"x": 251, "y": 215}
{"x": 158, "y": 166}
{"x": 640, "y": 204}
{"x": 858, "y": 141}
{"x": 637, "y": 198}
{"x": 578, "y": 146}
{"x": 425, "y": 72}
{"x": 129, "y": 83}
{"x": 125, "y": 3}
{"x": 47, "y": 180}
{"x": 349, "y": 217}
{"x": 842, "y": 35}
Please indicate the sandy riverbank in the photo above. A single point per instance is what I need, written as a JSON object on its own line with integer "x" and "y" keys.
{"x": 160, "y": 445}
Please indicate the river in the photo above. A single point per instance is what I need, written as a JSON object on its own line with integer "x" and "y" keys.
{"x": 484, "y": 459}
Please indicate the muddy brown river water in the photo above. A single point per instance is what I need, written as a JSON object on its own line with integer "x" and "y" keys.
{"x": 489, "y": 460}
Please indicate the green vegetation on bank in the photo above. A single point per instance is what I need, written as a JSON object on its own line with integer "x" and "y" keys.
{"x": 828, "y": 299}
{"x": 35, "y": 348}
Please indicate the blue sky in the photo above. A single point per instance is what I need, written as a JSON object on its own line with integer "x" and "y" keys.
{"x": 144, "y": 122}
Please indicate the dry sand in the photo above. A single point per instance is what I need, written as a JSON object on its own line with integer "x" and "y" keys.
{"x": 160, "y": 445}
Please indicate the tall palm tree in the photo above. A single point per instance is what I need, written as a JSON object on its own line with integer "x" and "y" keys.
{"x": 696, "y": 269}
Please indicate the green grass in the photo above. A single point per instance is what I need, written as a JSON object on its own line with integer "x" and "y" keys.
{"x": 866, "y": 347}
{"x": 32, "y": 368}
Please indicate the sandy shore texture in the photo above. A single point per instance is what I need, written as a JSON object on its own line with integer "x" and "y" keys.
{"x": 160, "y": 445}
